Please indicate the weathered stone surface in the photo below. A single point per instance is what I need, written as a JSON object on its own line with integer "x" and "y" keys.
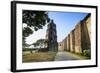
{"x": 52, "y": 37}
{"x": 65, "y": 44}
{"x": 68, "y": 42}
{"x": 86, "y": 33}
{"x": 78, "y": 38}
{"x": 72, "y": 41}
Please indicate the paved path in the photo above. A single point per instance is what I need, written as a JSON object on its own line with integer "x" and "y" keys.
{"x": 61, "y": 56}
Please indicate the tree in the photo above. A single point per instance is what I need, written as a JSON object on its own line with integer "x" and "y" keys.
{"x": 40, "y": 42}
{"x": 34, "y": 20}
{"x": 46, "y": 42}
{"x": 26, "y": 32}
{"x": 35, "y": 44}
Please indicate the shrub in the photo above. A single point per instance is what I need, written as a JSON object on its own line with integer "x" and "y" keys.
{"x": 87, "y": 53}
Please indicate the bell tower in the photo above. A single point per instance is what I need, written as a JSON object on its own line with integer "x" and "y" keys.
{"x": 51, "y": 36}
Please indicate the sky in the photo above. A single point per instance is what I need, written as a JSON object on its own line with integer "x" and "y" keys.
{"x": 65, "y": 22}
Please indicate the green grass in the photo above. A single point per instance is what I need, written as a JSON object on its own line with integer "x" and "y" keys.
{"x": 38, "y": 57}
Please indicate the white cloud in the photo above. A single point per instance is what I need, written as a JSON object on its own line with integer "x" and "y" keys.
{"x": 41, "y": 33}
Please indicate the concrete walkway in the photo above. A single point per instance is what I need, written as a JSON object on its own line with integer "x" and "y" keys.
{"x": 61, "y": 56}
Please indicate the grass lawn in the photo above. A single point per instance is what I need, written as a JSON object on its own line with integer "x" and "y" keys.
{"x": 38, "y": 57}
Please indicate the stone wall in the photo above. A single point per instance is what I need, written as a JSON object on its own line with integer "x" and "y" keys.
{"x": 65, "y": 44}
{"x": 69, "y": 42}
{"x": 79, "y": 39}
{"x": 72, "y": 41}
{"x": 86, "y": 33}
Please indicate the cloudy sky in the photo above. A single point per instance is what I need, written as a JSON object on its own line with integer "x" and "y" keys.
{"x": 65, "y": 22}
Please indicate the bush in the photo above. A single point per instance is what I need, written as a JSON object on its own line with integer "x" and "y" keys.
{"x": 87, "y": 53}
